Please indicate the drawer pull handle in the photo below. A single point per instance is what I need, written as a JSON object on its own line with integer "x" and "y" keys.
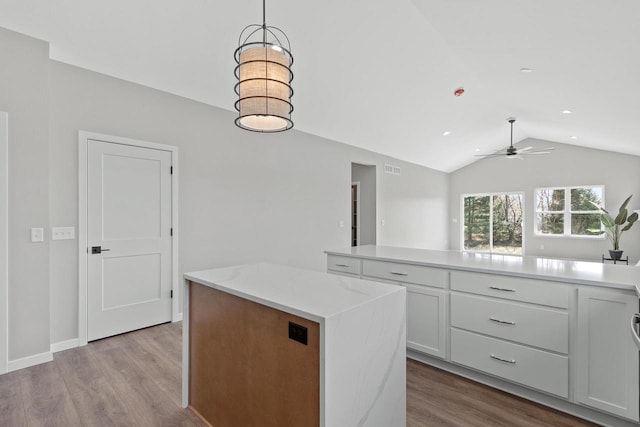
{"x": 504, "y": 322}
{"x": 342, "y": 265}
{"x": 511, "y": 361}
{"x": 495, "y": 288}
{"x": 399, "y": 274}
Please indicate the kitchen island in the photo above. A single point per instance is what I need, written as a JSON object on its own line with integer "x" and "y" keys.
{"x": 270, "y": 345}
{"x": 550, "y": 330}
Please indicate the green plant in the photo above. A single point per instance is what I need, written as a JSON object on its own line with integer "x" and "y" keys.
{"x": 614, "y": 227}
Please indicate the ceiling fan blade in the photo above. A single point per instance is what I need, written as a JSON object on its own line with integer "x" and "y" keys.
{"x": 537, "y": 152}
{"x": 516, "y": 156}
{"x": 484, "y": 156}
{"x": 525, "y": 149}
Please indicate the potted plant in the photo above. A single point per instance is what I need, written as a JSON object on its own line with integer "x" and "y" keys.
{"x": 614, "y": 227}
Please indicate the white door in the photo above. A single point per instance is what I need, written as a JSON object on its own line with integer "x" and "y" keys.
{"x": 129, "y": 238}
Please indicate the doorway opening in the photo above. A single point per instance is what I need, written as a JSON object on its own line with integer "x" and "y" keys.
{"x": 355, "y": 209}
{"x": 363, "y": 204}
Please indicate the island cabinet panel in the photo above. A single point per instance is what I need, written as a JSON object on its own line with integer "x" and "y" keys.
{"x": 244, "y": 368}
{"x": 426, "y": 320}
{"x": 607, "y": 357}
{"x": 534, "y": 291}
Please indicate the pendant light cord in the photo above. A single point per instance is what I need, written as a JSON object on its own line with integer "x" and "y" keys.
{"x": 512, "y": 133}
{"x": 264, "y": 21}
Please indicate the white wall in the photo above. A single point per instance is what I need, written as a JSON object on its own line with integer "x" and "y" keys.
{"x": 366, "y": 176}
{"x": 412, "y": 208}
{"x": 568, "y": 165}
{"x": 24, "y": 96}
{"x": 244, "y": 196}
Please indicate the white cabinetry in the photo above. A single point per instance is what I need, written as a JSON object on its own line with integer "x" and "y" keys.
{"x": 426, "y": 302}
{"x": 550, "y": 332}
{"x": 426, "y": 321}
{"x": 607, "y": 358}
{"x": 501, "y": 328}
{"x": 343, "y": 265}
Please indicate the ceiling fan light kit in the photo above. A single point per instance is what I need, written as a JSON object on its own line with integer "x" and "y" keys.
{"x": 512, "y": 152}
{"x": 264, "y": 75}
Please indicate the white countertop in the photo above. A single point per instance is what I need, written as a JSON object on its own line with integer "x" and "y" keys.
{"x": 309, "y": 294}
{"x": 579, "y": 272}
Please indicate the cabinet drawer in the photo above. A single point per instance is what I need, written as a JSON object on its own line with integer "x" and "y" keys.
{"x": 539, "y": 327}
{"x": 343, "y": 264}
{"x": 405, "y": 273}
{"x": 530, "y": 367}
{"x": 513, "y": 288}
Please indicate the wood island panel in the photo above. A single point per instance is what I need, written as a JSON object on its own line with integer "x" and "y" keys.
{"x": 243, "y": 368}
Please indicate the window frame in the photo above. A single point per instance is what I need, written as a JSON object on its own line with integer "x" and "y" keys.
{"x": 566, "y": 212}
{"x": 491, "y": 196}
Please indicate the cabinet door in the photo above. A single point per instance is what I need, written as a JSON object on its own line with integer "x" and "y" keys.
{"x": 426, "y": 330}
{"x": 607, "y": 357}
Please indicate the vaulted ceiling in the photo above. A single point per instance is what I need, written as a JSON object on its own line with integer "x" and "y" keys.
{"x": 380, "y": 74}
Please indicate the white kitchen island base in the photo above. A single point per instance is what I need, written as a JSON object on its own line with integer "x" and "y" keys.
{"x": 362, "y": 334}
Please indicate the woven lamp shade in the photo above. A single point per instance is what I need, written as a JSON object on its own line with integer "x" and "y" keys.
{"x": 264, "y": 88}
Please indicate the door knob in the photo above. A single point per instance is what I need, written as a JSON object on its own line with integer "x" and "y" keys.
{"x": 98, "y": 249}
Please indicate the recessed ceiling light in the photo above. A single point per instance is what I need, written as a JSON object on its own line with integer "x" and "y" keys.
{"x": 573, "y": 137}
{"x": 566, "y": 111}
{"x": 477, "y": 149}
{"x": 526, "y": 70}
{"x": 445, "y": 133}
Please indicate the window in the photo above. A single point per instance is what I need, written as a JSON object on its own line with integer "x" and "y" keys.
{"x": 493, "y": 223}
{"x": 569, "y": 211}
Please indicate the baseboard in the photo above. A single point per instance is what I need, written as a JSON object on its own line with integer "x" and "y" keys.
{"x": 64, "y": 345}
{"x": 178, "y": 318}
{"x": 28, "y": 361}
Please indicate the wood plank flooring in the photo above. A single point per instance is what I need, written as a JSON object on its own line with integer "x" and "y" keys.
{"x": 134, "y": 379}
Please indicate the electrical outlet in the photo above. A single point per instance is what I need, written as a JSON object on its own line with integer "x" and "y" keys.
{"x": 37, "y": 235}
{"x": 341, "y": 223}
{"x": 63, "y": 233}
{"x": 298, "y": 333}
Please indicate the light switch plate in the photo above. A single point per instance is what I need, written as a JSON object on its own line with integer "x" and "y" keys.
{"x": 37, "y": 234}
{"x": 63, "y": 233}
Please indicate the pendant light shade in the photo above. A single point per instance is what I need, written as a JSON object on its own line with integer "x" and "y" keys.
{"x": 264, "y": 79}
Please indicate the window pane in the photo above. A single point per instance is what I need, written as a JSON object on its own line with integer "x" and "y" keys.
{"x": 548, "y": 199}
{"x": 476, "y": 223}
{"x": 550, "y": 223}
{"x": 585, "y": 224}
{"x": 507, "y": 224}
{"x": 583, "y": 199}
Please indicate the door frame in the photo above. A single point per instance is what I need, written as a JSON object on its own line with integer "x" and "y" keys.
{"x": 83, "y": 258}
{"x": 4, "y": 242}
{"x": 357, "y": 184}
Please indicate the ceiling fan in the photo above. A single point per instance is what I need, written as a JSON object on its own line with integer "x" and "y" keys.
{"x": 512, "y": 152}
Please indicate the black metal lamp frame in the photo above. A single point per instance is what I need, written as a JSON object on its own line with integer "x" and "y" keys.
{"x": 244, "y": 43}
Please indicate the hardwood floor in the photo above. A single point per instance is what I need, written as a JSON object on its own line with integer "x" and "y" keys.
{"x": 134, "y": 379}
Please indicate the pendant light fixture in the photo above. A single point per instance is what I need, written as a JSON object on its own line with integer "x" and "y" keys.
{"x": 264, "y": 78}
